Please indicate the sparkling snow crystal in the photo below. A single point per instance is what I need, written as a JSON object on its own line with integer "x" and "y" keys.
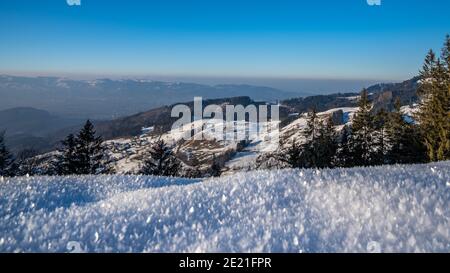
{"x": 383, "y": 209}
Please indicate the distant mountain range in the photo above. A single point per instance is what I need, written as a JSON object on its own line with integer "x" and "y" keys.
{"x": 108, "y": 99}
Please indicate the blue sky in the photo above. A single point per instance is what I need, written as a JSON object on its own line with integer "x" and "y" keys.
{"x": 319, "y": 39}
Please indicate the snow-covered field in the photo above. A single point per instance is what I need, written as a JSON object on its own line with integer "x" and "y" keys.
{"x": 388, "y": 209}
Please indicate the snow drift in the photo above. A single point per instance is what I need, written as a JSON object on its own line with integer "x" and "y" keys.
{"x": 387, "y": 209}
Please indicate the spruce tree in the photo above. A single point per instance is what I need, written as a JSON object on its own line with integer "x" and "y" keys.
{"x": 380, "y": 141}
{"x": 362, "y": 132}
{"x": 292, "y": 155}
{"x": 326, "y": 144}
{"x": 345, "y": 155}
{"x": 312, "y": 125}
{"x": 194, "y": 170}
{"x": 434, "y": 113}
{"x": 83, "y": 154}
{"x": 216, "y": 169}
{"x": 27, "y": 162}
{"x": 67, "y": 162}
{"x": 309, "y": 155}
{"x": 6, "y": 158}
{"x": 444, "y": 148}
{"x": 396, "y": 129}
{"x": 320, "y": 146}
{"x": 161, "y": 161}
{"x": 404, "y": 140}
{"x": 90, "y": 152}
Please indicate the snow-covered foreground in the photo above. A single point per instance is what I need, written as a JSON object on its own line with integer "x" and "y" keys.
{"x": 388, "y": 209}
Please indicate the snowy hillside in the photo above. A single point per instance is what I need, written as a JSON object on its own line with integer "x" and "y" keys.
{"x": 388, "y": 209}
{"x": 245, "y": 159}
{"x": 129, "y": 153}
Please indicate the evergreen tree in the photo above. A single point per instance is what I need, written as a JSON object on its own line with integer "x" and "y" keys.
{"x": 427, "y": 76}
{"x": 161, "y": 161}
{"x": 83, "y": 154}
{"x": 434, "y": 113}
{"x": 444, "y": 148}
{"x": 216, "y": 169}
{"x": 312, "y": 125}
{"x": 27, "y": 163}
{"x": 344, "y": 156}
{"x": 90, "y": 153}
{"x": 319, "y": 149}
{"x": 194, "y": 171}
{"x": 6, "y": 158}
{"x": 292, "y": 155}
{"x": 396, "y": 129}
{"x": 309, "y": 154}
{"x": 67, "y": 162}
{"x": 445, "y": 56}
{"x": 362, "y": 133}
{"x": 326, "y": 145}
{"x": 380, "y": 142}
{"x": 404, "y": 139}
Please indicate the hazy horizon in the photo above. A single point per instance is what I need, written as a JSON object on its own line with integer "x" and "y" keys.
{"x": 314, "y": 47}
{"x": 296, "y": 85}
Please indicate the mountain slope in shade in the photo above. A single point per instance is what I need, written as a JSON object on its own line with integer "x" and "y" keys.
{"x": 27, "y": 120}
{"x": 29, "y": 128}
